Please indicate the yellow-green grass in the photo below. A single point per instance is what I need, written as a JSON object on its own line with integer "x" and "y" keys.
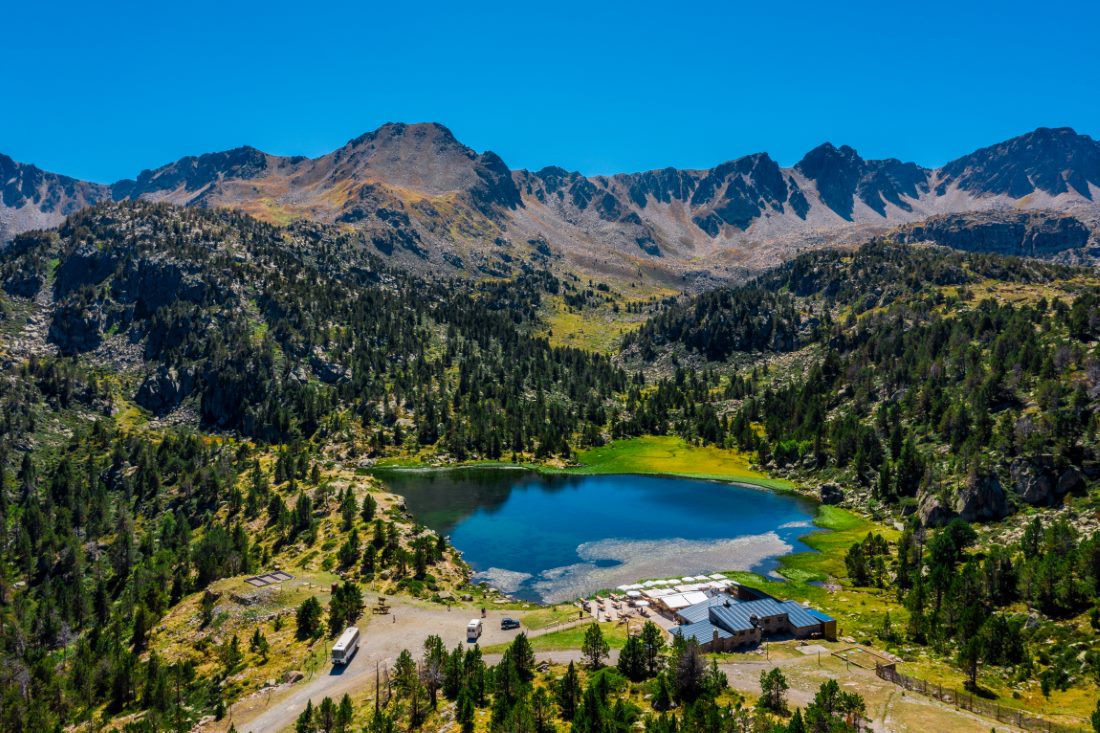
{"x": 652, "y": 454}
{"x": 180, "y": 636}
{"x": 129, "y": 416}
{"x": 1026, "y": 293}
{"x": 592, "y": 329}
{"x": 570, "y": 639}
{"x": 1072, "y": 706}
{"x": 843, "y": 528}
{"x": 549, "y": 616}
{"x": 662, "y": 454}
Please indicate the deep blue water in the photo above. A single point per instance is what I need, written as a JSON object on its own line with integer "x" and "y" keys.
{"x": 552, "y": 537}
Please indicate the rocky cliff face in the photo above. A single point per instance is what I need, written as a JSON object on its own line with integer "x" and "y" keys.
{"x": 842, "y": 177}
{"x": 1029, "y": 234}
{"x": 423, "y": 197}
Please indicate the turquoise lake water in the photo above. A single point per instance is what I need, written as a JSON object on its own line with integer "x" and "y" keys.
{"x": 552, "y": 538}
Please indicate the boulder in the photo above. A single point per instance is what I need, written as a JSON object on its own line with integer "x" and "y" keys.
{"x": 1033, "y": 480}
{"x": 1069, "y": 480}
{"x": 933, "y": 512}
{"x": 831, "y": 493}
{"x": 164, "y": 389}
{"x": 1040, "y": 482}
{"x": 292, "y": 676}
{"x": 981, "y": 500}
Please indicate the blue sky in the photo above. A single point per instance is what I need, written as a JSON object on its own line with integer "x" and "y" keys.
{"x": 103, "y": 90}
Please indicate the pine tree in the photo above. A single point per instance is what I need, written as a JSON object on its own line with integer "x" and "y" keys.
{"x": 569, "y": 692}
{"x": 594, "y": 648}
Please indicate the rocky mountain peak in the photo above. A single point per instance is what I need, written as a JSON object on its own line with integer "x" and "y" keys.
{"x": 842, "y": 177}
{"x": 423, "y": 157}
{"x": 1053, "y": 160}
{"x": 194, "y": 174}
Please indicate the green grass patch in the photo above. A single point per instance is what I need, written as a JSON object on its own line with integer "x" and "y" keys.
{"x": 544, "y": 617}
{"x": 662, "y": 454}
{"x": 569, "y": 639}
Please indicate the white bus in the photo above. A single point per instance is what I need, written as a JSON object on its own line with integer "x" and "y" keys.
{"x": 346, "y": 646}
{"x": 473, "y": 630}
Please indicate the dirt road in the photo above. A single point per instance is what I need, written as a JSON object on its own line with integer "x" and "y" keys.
{"x": 384, "y": 637}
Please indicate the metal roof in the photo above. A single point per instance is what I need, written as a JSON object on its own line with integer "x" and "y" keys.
{"x": 738, "y": 616}
{"x": 701, "y": 611}
{"x": 702, "y": 632}
{"x": 728, "y": 613}
{"x": 799, "y": 616}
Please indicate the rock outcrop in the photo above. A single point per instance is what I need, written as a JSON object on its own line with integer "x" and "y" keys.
{"x": 76, "y": 327}
{"x": 164, "y": 389}
{"x": 831, "y": 493}
{"x": 982, "y": 499}
{"x": 933, "y": 512}
{"x": 842, "y": 177}
{"x": 1022, "y": 233}
{"x": 1039, "y": 481}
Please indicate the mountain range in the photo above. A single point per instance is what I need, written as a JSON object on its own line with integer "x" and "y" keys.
{"x": 417, "y": 194}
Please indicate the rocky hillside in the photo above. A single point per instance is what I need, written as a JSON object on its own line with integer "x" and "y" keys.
{"x": 944, "y": 383}
{"x": 31, "y": 198}
{"x": 430, "y": 203}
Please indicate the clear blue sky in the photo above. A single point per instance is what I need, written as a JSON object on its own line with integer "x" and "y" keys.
{"x": 100, "y": 90}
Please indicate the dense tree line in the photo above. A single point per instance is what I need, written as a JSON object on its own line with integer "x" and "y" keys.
{"x": 282, "y": 333}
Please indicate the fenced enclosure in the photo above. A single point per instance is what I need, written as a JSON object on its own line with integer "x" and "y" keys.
{"x": 967, "y": 700}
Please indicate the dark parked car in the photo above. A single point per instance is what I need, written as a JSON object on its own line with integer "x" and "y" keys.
{"x": 509, "y": 623}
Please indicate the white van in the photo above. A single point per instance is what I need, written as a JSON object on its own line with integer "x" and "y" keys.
{"x": 346, "y": 646}
{"x": 473, "y": 630}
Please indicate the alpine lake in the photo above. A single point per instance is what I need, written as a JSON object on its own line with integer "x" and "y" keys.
{"x": 548, "y": 537}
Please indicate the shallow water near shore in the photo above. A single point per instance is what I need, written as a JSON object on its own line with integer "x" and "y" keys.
{"x": 552, "y": 537}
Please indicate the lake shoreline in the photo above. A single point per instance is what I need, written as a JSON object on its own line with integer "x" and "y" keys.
{"x": 766, "y": 556}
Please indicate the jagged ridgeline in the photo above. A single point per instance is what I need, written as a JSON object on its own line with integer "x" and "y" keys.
{"x": 269, "y": 331}
{"x": 916, "y": 372}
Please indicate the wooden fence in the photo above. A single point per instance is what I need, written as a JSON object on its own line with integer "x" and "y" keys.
{"x": 967, "y": 700}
